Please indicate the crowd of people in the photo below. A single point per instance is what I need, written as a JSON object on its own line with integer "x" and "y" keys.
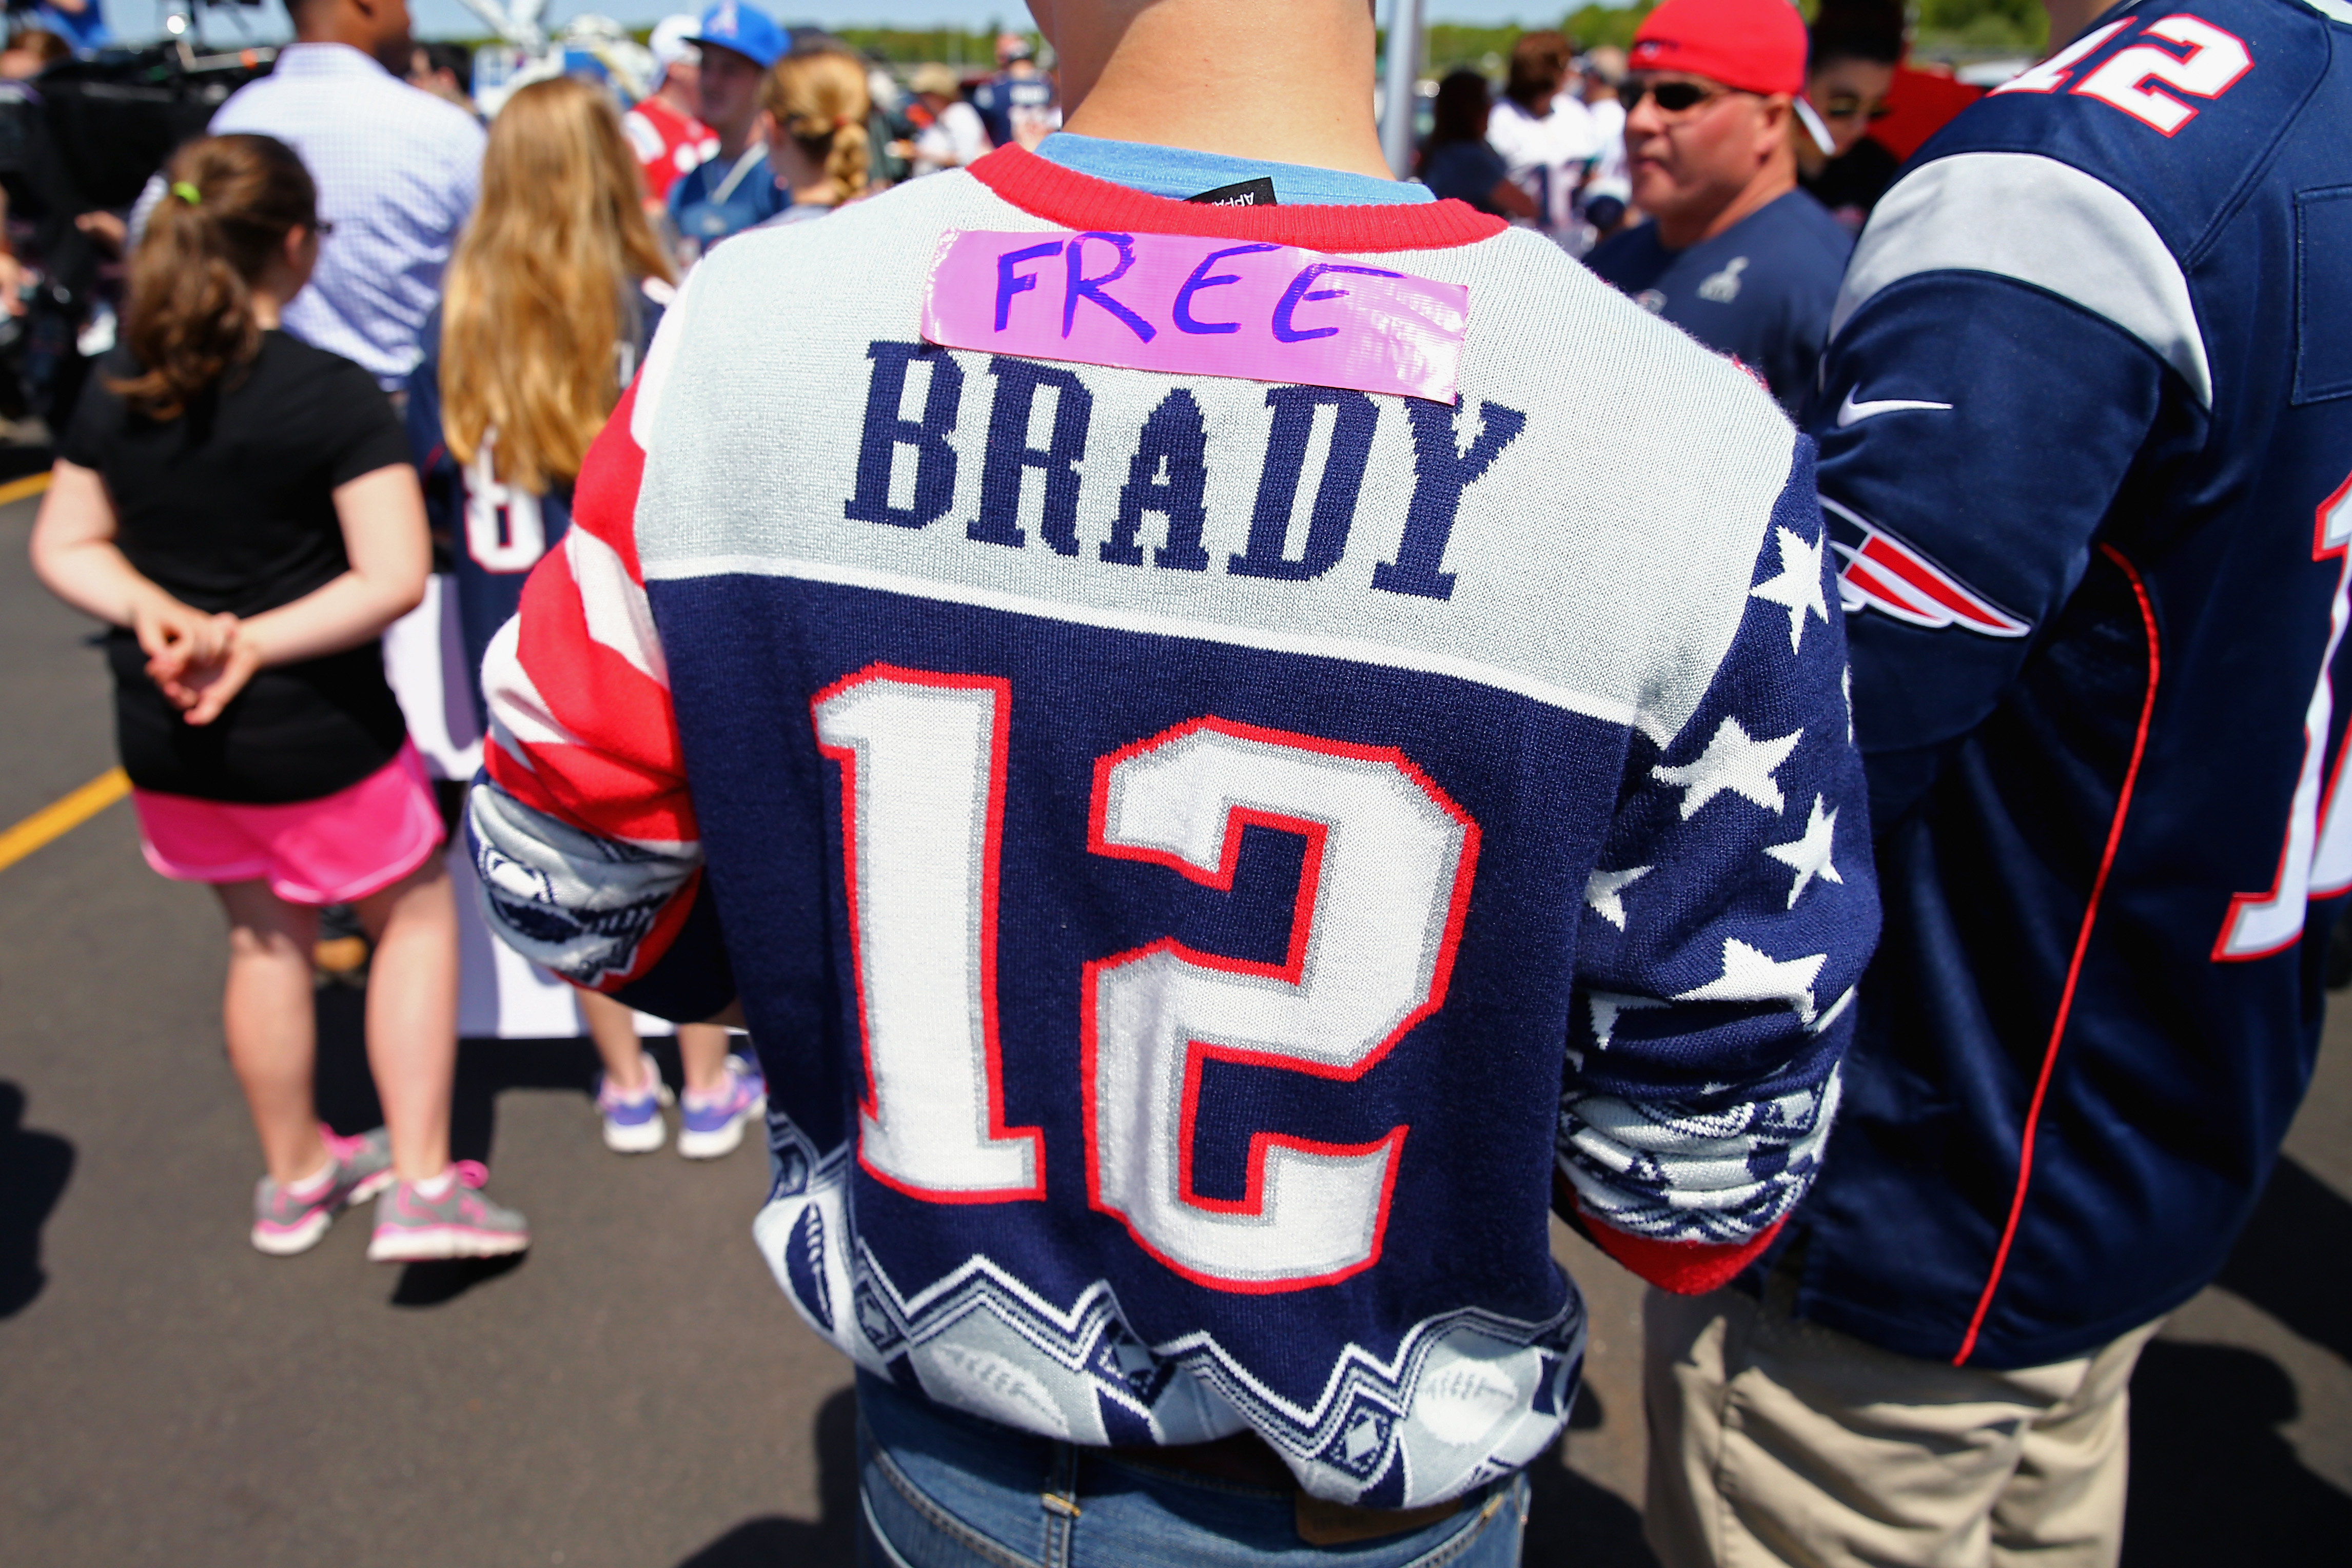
{"x": 1666, "y": 674}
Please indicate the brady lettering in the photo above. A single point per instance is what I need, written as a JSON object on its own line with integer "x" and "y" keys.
{"x": 1355, "y": 417}
{"x": 1441, "y": 472}
{"x": 887, "y": 429}
{"x": 1010, "y": 457}
{"x": 1176, "y": 442}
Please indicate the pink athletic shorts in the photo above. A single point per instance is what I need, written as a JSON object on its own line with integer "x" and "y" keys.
{"x": 333, "y": 850}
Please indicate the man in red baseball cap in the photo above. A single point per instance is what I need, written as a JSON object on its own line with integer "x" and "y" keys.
{"x": 1735, "y": 253}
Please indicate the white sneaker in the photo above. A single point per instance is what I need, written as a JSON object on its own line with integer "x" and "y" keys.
{"x": 710, "y": 1126}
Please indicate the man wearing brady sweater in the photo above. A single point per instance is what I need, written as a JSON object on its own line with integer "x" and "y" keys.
{"x": 1226, "y": 778}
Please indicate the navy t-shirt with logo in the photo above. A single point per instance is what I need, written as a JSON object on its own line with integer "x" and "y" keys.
{"x": 1010, "y": 104}
{"x": 717, "y": 198}
{"x": 1761, "y": 289}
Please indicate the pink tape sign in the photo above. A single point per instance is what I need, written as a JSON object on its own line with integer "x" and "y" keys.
{"x": 1188, "y": 305}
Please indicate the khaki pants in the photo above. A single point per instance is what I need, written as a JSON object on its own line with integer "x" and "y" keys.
{"x": 1777, "y": 1441}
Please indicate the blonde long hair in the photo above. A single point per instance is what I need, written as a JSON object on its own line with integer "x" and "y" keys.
{"x": 819, "y": 99}
{"x": 543, "y": 284}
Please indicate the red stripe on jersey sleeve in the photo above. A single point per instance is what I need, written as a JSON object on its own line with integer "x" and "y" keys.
{"x": 604, "y": 500}
{"x": 625, "y": 777}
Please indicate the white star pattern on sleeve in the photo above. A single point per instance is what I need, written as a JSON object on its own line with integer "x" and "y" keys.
{"x": 1830, "y": 1014}
{"x": 1605, "y": 889}
{"x": 1798, "y": 588}
{"x": 1606, "y": 1008}
{"x": 1751, "y": 974}
{"x": 1809, "y": 856}
{"x": 1735, "y": 762}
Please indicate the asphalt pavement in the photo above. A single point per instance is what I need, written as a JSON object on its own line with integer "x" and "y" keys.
{"x": 636, "y": 1392}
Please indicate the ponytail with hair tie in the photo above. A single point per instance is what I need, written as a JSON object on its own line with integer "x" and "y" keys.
{"x": 820, "y": 97}
{"x": 190, "y": 318}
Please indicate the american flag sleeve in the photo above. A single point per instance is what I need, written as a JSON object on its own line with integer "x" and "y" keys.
{"x": 1723, "y": 931}
{"x": 580, "y": 824}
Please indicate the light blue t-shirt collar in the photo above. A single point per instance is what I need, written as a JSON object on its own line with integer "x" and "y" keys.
{"x": 1179, "y": 172}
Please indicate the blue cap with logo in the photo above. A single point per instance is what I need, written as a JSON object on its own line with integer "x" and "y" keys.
{"x": 749, "y": 32}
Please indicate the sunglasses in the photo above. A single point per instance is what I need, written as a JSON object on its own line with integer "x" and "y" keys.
{"x": 1673, "y": 97}
{"x": 1845, "y": 105}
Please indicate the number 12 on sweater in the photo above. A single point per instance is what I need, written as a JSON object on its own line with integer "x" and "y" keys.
{"x": 1383, "y": 892}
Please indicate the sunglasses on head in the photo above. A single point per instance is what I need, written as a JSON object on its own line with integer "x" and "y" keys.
{"x": 1673, "y": 97}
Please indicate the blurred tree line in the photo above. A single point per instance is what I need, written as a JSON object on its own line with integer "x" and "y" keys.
{"x": 1944, "y": 29}
{"x": 918, "y": 45}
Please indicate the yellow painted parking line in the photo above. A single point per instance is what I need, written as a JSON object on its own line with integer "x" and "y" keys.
{"x": 17, "y": 489}
{"x": 62, "y": 816}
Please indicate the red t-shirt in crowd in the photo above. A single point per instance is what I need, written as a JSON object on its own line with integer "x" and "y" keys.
{"x": 1918, "y": 104}
{"x": 667, "y": 143}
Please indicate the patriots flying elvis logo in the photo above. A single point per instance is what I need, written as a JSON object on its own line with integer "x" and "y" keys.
{"x": 1885, "y": 574}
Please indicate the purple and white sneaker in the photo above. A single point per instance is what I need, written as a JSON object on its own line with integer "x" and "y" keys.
{"x": 710, "y": 1126}
{"x": 633, "y": 1122}
{"x": 291, "y": 1219}
{"x": 411, "y": 1227}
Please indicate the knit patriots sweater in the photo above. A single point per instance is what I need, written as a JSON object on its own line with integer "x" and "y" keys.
{"x": 1207, "y": 862}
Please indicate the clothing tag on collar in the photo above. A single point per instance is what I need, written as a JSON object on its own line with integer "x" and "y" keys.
{"x": 1190, "y": 305}
{"x": 1257, "y": 193}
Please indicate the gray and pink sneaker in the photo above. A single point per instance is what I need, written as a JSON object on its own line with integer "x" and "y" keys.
{"x": 290, "y": 1219}
{"x": 711, "y": 1125}
{"x": 411, "y": 1227}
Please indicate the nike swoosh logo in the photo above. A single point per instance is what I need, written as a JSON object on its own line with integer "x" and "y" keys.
{"x": 1853, "y": 413}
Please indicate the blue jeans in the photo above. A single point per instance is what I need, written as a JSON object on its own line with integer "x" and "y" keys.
{"x": 938, "y": 1489}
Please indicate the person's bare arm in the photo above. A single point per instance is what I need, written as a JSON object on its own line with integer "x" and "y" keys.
{"x": 383, "y": 518}
{"x": 76, "y": 557}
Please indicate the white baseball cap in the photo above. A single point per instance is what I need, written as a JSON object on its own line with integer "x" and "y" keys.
{"x": 672, "y": 41}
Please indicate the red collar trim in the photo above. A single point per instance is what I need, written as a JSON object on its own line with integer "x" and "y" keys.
{"x": 1046, "y": 189}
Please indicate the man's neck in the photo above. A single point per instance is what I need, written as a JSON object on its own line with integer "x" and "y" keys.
{"x": 1288, "y": 81}
{"x": 1775, "y": 179}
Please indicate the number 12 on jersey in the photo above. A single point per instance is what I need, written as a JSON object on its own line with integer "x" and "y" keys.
{"x": 2317, "y": 860}
{"x": 1382, "y": 892}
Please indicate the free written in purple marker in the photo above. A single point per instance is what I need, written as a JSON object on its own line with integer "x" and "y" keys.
{"x": 1189, "y": 305}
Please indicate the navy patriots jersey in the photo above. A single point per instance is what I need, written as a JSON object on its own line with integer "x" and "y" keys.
{"x": 2085, "y": 426}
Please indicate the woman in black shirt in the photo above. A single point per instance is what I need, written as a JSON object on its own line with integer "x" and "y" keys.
{"x": 241, "y": 508}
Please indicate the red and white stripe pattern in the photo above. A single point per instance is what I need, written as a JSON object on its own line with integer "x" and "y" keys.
{"x": 581, "y": 724}
{"x": 1884, "y": 575}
